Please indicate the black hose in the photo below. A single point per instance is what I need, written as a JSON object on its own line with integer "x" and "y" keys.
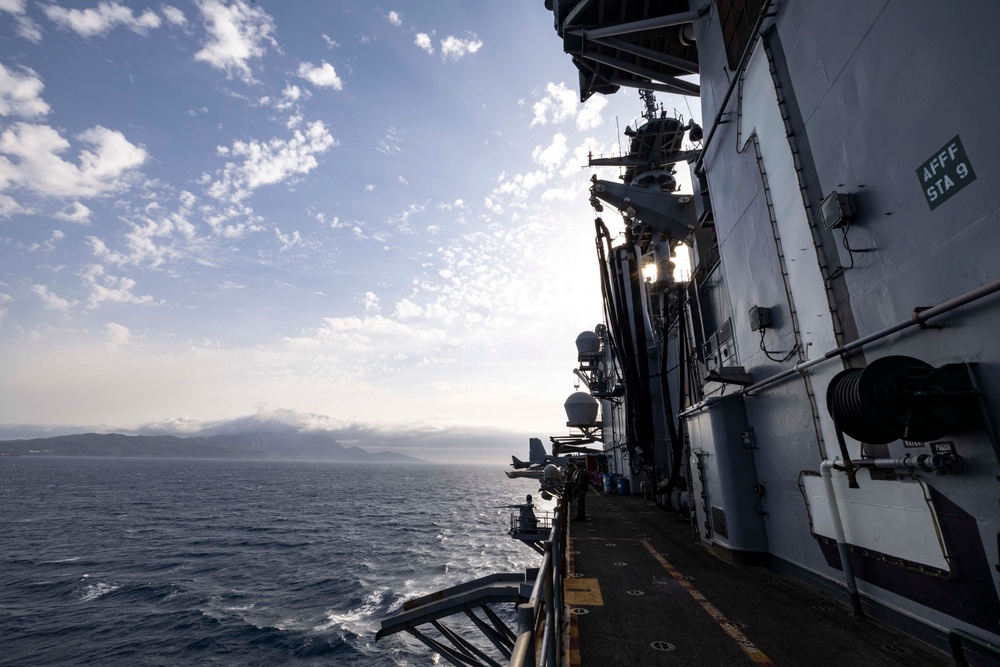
{"x": 677, "y": 446}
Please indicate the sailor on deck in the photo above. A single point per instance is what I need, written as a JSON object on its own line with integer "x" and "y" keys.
{"x": 527, "y": 521}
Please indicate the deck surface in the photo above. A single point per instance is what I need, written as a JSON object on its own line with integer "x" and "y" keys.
{"x": 642, "y": 591}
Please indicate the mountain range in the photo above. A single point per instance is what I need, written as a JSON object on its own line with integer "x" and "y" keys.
{"x": 317, "y": 446}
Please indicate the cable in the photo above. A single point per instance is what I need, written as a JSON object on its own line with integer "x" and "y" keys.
{"x": 769, "y": 354}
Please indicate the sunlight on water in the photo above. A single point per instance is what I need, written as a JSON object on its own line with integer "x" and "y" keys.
{"x": 238, "y": 562}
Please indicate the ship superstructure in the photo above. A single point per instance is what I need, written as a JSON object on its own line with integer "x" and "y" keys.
{"x": 822, "y": 391}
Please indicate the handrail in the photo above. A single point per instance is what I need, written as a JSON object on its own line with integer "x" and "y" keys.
{"x": 955, "y": 639}
{"x": 544, "y": 609}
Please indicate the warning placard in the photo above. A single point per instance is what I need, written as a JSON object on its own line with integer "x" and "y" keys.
{"x": 947, "y": 172}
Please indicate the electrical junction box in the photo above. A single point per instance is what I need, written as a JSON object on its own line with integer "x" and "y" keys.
{"x": 760, "y": 318}
{"x": 838, "y": 209}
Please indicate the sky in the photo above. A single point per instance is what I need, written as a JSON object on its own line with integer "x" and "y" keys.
{"x": 364, "y": 218}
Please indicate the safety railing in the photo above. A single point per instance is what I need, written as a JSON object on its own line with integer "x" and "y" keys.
{"x": 543, "y": 614}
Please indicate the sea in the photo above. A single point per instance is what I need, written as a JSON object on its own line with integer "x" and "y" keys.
{"x": 117, "y": 561}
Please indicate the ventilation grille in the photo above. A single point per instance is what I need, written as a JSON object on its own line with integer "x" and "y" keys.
{"x": 719, "y": 521}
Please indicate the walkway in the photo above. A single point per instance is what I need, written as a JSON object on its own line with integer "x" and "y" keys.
{"x": 643, "y": 592}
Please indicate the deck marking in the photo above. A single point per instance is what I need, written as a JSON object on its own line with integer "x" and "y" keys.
{"x": 728, "y": 627}
{"x": 582, "y": 592}
{"x": 573, "y": 647}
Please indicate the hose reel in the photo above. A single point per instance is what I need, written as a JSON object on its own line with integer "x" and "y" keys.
{"x": 899, "y": 397}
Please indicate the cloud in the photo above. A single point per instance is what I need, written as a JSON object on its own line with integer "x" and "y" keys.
{"x": 155, "y": 235}
{"x": 552, "y": 155}
{"x": 290, "y": 96}
{"x": 49, "y": 244}
{"x": 423, "y": 40}
{"x": 13, "y": 6}
{"x": 454, "y": 48}
{"x": 25, "y": 27}
{"x": 105, "y": 288}
{"x": 9, "y": 207}
{"x": 173, "y": 15}
{"x": 371, "y": 338}
{"x": 116, "y": 334}
{"x": 236, "y": 34}
{"x": 270, "y": 162}
{"x": 406, "y": 310}
{"x": 392, "y": 143}
{"x": 50, "y": 300}
{"x": 36, "y": 164}
{"x": 323, "y": 76}
{"x": 332, "y": 43}
{"x": 371, "y": 303}
{"x": 590, "y": 115}
{"x": 75, "y": 212}
{"x": 103, "y": 19}
{"x": 394, "y": 18}
{"x": 287, "y": 240}
{"x": 20, "y": 94}
{"x": 556, "y": 107}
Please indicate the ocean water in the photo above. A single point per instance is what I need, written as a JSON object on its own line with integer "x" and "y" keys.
{"x": 194, "y": 562}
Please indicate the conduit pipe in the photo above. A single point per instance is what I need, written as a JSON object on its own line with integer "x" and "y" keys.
{"x": 825, "y": 470}
{"x": 919, "y": 319}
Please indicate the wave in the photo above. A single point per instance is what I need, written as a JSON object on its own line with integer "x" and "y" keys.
{"x": 60, "y": 560}
{"x": 98, "y": 590}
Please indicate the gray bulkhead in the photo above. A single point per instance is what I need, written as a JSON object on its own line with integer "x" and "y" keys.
{"x": 864, "y": 99}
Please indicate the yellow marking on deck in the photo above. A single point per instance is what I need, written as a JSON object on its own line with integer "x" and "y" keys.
{"x": 582, "y": 592}
{"x": 573, "y": 640}
{"x": 741, "y": 640}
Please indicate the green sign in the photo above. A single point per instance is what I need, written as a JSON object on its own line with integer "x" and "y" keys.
{"x": 947, "y": 172}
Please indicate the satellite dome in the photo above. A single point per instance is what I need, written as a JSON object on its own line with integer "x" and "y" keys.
{"x": 588, "y": 345}
{"x": 581, "y": 410}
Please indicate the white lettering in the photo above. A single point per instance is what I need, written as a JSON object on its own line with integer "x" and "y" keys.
{"x": 931, "y": 194}
{"x": 962, "y": 169}
{"x": 952, "y": 150}
{"x": 948, "y": 183}
{"x": 927, "y": 175}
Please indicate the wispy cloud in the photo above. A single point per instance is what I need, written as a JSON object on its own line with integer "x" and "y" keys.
{"x": 391, "y": 143}
{"x": 259, "y": 163}
{"x": 106, "y": 288}
{"x": 24, "y": 26}
{"x": 102, "y": 19}
{"x": 75, "y": 212}
{"x": 155, "y": 235}
{"x": 173, "y": 15}
{"x": 116, "y": 334}
{"x": 394, "y": 18}
{"x": 50, "y": 300}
